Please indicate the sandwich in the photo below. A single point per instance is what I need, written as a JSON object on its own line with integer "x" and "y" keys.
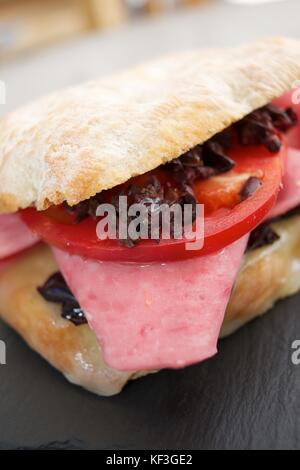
{"x": 214, "y": 130}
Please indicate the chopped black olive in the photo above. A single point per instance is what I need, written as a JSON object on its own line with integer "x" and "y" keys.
{"x": 215, "y": 157}
{"x": 224, "y": 138}
{"x": 261, "y": 127}
{"x": 264, "y": 234}
{"x": 283, "y": 120}
{"x": 56, "y": 290}
{"x": 291, "y": 213}
{"x": 249, "y": 188}
{"x": 193, "y": 158}
{"x": 261, "y": 236}
{"x": 85, "y": 209}
{"x": 74, "y": 314}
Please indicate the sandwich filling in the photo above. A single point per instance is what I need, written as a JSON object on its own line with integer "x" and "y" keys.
{"x": 151, "y": 303}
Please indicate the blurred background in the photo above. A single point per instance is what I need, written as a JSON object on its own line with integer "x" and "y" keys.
{"x": 50, "y": 44}
{"x": 29, "y": 24}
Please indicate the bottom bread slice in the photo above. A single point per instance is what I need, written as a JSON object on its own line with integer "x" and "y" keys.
{"x": 266, "y": 275}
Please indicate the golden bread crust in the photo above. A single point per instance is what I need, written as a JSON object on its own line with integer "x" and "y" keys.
{"x": 268, "y": 274}
{"x": 72, "y": 350}
{"x": 80, "y": 141}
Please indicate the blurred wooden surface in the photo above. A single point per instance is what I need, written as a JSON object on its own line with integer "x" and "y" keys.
{"x": 27, "y": 24}
{"x": 105, "y": 13}
{"x": 86, "y": 57}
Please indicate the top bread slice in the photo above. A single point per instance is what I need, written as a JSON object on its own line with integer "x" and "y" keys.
{"x": 82, "y": 140}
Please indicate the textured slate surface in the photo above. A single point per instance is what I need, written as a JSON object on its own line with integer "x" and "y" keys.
{"x": 247, "y": 396}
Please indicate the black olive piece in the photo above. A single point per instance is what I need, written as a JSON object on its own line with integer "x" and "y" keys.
{"x": 73, "y": 313}
{"x": 292, "y": 115}
{"x": 283, "y": 120}
{"x": 224, "y": 138}
{"x": 56, "y": 290}
{"x": 261, "y": 127}
{"x": 188, "y": 198}
{"x": 261, "y": 236}
{"x": 193, "y": 158}
{"x": 205, "y": 172}
{"x": 250, "y": 186}
{"x": 213, "y": 156}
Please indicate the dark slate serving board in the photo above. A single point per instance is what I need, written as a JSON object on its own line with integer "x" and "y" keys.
{"x": 244, "y": 398}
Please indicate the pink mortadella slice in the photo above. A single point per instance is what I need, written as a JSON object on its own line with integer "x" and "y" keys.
{"x": 158, "y": 315}
{"x": 15, "y": 236}
{"x": 289, "y": 196}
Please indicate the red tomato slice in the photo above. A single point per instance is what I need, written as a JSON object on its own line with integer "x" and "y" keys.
{"x": 291, "y": 99}
{"x": 226, "y": 217}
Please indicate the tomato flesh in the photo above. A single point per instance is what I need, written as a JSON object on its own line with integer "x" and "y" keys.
{"x": 227, "y": 218}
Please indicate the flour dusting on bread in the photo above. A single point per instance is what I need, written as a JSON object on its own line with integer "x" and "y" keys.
{"x": 77, "y": 142}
